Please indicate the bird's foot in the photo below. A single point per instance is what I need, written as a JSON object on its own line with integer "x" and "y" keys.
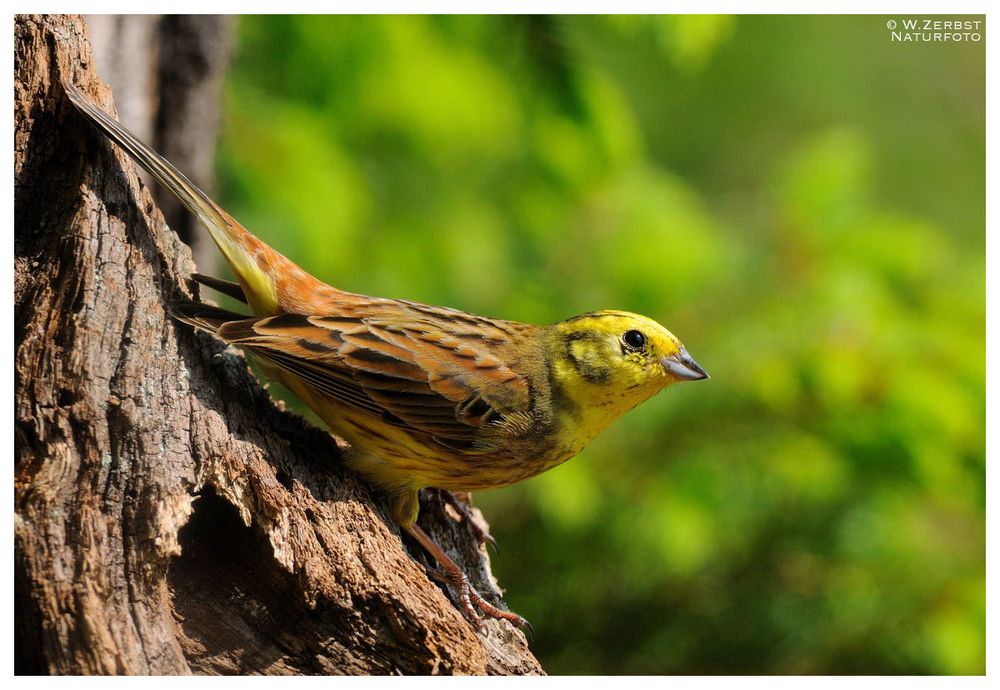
{"x": 450, "y": 573}
{"x": 462, "y": 503}
{"x": 473, "y": 600}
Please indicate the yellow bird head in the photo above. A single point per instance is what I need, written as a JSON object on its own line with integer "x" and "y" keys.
{"x": 607, "y": 362}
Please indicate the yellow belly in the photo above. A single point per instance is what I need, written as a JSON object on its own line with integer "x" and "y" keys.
{"x": 395, "y": 460}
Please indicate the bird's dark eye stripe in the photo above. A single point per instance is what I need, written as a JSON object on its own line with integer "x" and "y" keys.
{"x": 634, "y": 339}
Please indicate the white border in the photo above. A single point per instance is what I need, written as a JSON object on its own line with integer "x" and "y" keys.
{"x": 902, "y": 7}
{"x": 883, "y": 7}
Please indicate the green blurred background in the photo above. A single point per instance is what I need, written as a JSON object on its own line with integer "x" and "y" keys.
{"x": 799, "y": 199}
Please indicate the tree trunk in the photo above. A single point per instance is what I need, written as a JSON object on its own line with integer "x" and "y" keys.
{"x": 169, "y": 517}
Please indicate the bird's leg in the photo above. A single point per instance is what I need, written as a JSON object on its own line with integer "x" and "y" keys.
{"x": 462, "y": 504}
{"x": 452, "y": 574}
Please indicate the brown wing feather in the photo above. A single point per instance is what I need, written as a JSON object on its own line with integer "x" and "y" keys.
{"x": 203, "y": 316}
{"x": 408, "y": 370}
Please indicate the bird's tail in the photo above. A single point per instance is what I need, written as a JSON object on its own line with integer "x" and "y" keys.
{"x": 272, "y": 283}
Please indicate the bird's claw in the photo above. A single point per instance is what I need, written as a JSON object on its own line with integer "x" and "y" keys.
{"x": 464, "y": 509}
{"x": 472, "y": 600}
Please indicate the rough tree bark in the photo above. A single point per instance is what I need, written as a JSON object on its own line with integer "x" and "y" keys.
{"x": 169, "y": 518}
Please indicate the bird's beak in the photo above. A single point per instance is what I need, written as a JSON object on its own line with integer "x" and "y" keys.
{"x": 683, "y": 367}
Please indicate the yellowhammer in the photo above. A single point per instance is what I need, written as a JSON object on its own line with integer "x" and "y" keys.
{"x": 426, "y": 396}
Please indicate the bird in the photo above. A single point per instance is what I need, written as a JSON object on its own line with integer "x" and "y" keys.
{"x": 425, "y": 396}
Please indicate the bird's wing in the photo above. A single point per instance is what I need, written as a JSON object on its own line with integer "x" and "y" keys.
{"x": 408, "y": 371}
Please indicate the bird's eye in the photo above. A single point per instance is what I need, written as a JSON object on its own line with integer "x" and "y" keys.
{"x": 634, "y": 340}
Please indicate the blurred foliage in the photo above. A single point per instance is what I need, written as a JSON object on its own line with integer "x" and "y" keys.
{"x": 800, "y": 200}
